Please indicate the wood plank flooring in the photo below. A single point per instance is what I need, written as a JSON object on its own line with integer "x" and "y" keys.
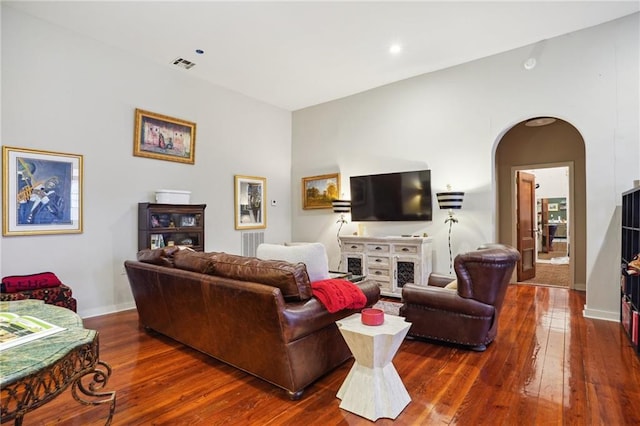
{"x": 548, "y": 366}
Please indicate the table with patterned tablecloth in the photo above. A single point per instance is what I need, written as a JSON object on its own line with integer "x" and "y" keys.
{"x": 35, "y": 372}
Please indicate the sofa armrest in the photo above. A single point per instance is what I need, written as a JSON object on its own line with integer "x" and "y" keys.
{"x": 304, "y": 318}
{"x": 443, "y": 299}
{"x": 440, "y": 280}
{"x": 371, "y": 290}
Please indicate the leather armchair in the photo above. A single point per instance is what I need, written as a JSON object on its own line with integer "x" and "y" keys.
{"x": 469, "y": 314}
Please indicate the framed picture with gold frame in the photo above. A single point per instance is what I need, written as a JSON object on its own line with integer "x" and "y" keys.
{"x": 319, "y": 191}
{"x": 42, "y": 192}
{"x": 164, "y": 138}
{"x": 250, "y": 196}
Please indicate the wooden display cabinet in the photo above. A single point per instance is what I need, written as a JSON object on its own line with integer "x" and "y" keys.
{"x": 630, "y": 277}
{"x": 161, "y": 225}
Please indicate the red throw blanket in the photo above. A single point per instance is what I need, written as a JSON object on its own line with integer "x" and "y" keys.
{"x": 18, "y": 283}
{"x": 337, "y": 294}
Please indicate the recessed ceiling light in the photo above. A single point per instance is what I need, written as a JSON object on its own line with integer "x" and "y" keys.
{"x": 395, "y": 48}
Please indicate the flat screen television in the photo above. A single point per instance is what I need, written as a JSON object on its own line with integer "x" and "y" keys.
{"x": 403, "y": 196}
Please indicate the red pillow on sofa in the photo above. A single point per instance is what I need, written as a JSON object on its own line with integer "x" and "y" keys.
{"x": 16, "y": 283}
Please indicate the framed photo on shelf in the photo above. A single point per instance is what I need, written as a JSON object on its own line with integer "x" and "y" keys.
{"x": 164, "y": 138}
{"x": 319, "y": 191}
{"x": 42, "y": 192}
{"x": 250, "y": 196}
{"x": 188, "y": 220}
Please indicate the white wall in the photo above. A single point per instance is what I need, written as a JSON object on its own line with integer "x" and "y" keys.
{"x": 66, "y": 93}
{"x": 450, "y": 121}
{"x": 553, "y": 181}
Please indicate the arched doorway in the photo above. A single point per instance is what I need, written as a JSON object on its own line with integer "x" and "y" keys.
{"x": 534, "y": 147}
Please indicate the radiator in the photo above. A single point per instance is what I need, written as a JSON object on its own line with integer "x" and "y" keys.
{"x": 250, "y": 242}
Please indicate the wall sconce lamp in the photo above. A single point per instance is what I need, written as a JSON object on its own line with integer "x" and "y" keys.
{"x": 450, "y": 200}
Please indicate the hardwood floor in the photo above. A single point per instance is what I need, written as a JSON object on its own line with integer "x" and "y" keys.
{"x": 548, "y": 366}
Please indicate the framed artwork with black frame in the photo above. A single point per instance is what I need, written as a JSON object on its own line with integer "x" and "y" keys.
{"x": 42, "y": 192}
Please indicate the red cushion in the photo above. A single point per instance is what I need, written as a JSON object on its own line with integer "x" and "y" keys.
{"x": 17, "y": 283}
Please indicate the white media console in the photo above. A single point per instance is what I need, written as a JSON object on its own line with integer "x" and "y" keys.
{"x": 390, "y": 261}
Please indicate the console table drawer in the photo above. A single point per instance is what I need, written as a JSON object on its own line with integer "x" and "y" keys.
{"x": 377, "y": 261}
{"x": 377, "y": 248}
{"x": 379, "y": 273}
{"x": 405, "y": 249}
{"x": 353, "y": 247}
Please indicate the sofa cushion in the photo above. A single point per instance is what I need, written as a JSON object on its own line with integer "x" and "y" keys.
{"x": 291, "y": 279}
{"x": 160, "y": 256}
{"x": 313, "y": 255}
{"x": 195, "y": 262}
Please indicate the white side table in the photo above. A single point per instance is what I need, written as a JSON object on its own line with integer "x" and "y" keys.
{"x": 373, "y": 388}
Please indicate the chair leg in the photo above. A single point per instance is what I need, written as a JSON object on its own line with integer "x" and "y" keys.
{"x": 295, "y": 396}
{"x": 479, "y": 348}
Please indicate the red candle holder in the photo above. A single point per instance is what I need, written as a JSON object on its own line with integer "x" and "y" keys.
{"x": 372, "y": 316}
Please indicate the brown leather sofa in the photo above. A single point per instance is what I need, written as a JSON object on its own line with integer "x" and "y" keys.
{"x": 256, "y": 315}
{"x": 469, "y": 314}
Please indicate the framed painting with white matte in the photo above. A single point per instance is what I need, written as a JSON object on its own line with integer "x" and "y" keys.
{"x": 42, "y": 192}
{"x": 250, "y": 196}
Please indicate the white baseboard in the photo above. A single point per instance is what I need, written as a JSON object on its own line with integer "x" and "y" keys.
{"x": 601, "y": 315}
{"x": 103, "y": 310}
{"x": 580, "y": 286}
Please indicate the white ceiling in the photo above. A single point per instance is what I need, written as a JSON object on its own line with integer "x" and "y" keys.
{"x": 297, "y": 54}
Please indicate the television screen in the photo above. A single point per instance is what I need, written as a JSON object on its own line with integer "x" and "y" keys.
{"x": 403, "y": 196}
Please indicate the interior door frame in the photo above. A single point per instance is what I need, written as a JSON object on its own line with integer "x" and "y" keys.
{"x": 571, "y": 213}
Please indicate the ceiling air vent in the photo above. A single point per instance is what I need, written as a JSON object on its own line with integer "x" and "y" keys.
{"x": 183, "y": 63}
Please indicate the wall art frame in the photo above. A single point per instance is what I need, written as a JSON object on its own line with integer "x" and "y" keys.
{"x": 164, "y": 138}
{"x": 250, "y": 195}
{"x": 319, "y": 191}
{"x": 42, "y": 192}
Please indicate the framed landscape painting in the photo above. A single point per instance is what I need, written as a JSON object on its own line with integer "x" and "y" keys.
{"x": 164, "y": 138}
{"x": 250, "y": 196}
{"x": 42, "y": 192}
{"x": 319, "y": 191}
